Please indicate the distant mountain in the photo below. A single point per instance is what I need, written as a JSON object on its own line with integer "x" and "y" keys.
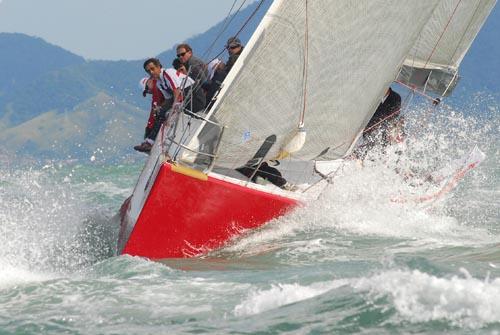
{"x": 56, "y": 104}
{"x": 24, "y": 63}
{"x": 62, "y": 89}
{"x": 53, "y": 79}
{"x": 98, "y": 127}
{"x": 41, "y": 106}
{"x": 24, "y": 58}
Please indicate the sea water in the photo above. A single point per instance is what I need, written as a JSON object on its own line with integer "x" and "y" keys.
{"x": 352, "y": 261}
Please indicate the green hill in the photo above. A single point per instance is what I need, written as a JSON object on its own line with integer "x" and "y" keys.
{"x": 98, "y": 127}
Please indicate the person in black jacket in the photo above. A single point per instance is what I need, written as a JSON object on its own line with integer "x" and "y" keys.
{"x": 266, "y": 172}
{"x": 386, "y": 125}
{"x": 234, "y": 48}
{"x": 212, "y": 86}
{"x": 193, "y": 101}
{"x": 197, "y": 69}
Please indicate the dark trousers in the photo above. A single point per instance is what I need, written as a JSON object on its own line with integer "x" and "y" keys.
{"x": 266, "y": 172}
{"x": 195, "y": 99}
{"x": 160, "y": 118}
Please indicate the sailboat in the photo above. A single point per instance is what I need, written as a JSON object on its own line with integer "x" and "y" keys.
{"x": 300, "y": 95}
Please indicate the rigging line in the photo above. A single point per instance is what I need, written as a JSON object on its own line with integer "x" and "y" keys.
{"x": 305, "y": 68}
{"x": 408, "y": 101}
{"x": 250, "y": 17}
{"x": 442, "y": 33}
{"x": 467, "y": 28}
{"x": 328, "y": 177}
{"x": 435, "y": 101}
{"x": 455, "y": 74}
{"x": 227, "y": 21}
{"x": 382, "y": 120}
{"x": 412, "y": 88}
{"x": 261, "y": 2}
{"x": 239, "y": 31}
{"x": 209, "y": 49}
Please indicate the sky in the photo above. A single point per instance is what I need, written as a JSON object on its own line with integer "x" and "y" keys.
{"x": 113, "y": 29}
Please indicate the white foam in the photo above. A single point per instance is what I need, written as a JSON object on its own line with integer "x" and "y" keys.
{"x": 44, "y": 222}
{"x": 420, "y": 297}
{"x": 12, "y": 276}
{"x": 282, "y": 294}
{"x": 360, "y": 203}
{"x": 108, "y": 188}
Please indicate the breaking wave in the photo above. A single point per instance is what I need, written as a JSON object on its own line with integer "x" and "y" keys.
{"x": 464, "y": 301}
{"x": 361, "y": 199}
{"x": 50, "y": 223}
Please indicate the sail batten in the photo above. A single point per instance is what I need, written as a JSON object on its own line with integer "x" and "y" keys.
{"x": 355, "y": 50}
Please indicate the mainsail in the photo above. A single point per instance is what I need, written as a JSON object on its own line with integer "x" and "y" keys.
{"x": 331, "y": 60}
{"x": 433, "y": 62}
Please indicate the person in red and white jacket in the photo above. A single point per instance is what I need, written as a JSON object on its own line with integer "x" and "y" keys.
{"x": 170, "y": 83}
{"x": 148, "y": 86}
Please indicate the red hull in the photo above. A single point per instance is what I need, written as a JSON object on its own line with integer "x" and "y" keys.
{"x": 186, "y": 216}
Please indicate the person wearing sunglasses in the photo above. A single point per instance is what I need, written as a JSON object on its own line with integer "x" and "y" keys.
{"x": 234, "y": 48}
{"x": 197, "y": 69}
{"x": 192, "y": 102}
{"x": 221, "y": 70}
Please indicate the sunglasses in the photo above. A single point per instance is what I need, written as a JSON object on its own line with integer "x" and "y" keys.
{"x": 234, "y": 47}
{"x": 181, "y": 54}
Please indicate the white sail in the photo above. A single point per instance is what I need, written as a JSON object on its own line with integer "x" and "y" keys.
{"x": 354, "y": 51}
{"x": 434, "y": 60}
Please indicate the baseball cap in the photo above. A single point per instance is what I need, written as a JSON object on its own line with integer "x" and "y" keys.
{"x": 233, "y": 42}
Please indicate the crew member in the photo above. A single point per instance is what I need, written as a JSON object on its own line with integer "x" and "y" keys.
{"x": 385, "y": 127}
{"x": 197, "y": 70}
{"x": 168, "y": 81}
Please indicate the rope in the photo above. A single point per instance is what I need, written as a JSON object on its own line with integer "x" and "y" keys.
{"x": 224, "y": 28}
{"x": 442, "y": 33}
{"x": 261, "y": 2}
{"x": 413, "y": 89}
{"x": 209, "y": 49}
{"x": 225, "y": 25}
{"x": 382, "y": 120}
{"x": 211, "y": 46}
{"x": 458, "y": 45}
{"x": 467, "y": 28}
{"x": 436, "y": 101}
{"x": 305, "y": 67}
{"x": 328, "y": 178}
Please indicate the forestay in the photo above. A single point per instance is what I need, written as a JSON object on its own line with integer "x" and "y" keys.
{"x": 354, "y": 51}
{"x": 434, "y": 60}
